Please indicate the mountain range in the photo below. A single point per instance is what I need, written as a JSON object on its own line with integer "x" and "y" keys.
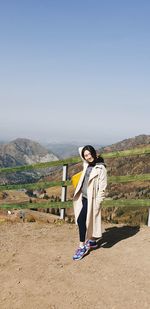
{"x": 23, "y": 152}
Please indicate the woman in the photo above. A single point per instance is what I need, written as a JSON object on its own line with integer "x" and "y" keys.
{"x": 89, "y": 194}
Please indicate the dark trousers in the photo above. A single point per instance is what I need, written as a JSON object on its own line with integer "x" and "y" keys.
{"x": 82, "y": 219}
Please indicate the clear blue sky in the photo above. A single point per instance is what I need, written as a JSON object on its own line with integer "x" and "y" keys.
{"x": 74, "y": 70}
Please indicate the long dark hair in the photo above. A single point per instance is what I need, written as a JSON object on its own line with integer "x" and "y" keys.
{"x": 91, "y": 149}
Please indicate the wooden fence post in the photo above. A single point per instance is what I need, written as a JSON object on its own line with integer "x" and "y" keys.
{"x": 64, "y": 190}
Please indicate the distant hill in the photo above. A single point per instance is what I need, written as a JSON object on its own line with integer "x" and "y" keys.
{"x": 22, "y": 152}
{"x": 66, "y": 150}
{"x": 134, "y": 142}
{"x": 63, "y": 150}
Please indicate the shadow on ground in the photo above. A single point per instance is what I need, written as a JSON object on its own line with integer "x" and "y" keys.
{"x": 115, "y": 234}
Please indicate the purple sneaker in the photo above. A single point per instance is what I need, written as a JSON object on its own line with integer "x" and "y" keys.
{"x": 91, "y": 244}
{"x": 80, "y": 253}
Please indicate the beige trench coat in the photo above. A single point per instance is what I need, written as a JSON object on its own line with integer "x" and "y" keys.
{"x": 95, "y": 193}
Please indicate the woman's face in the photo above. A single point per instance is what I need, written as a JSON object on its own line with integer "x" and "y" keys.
{"x": 87, "y": 156}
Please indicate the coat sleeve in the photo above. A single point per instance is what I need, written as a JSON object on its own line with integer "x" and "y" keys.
{"x": 101, "y": 186}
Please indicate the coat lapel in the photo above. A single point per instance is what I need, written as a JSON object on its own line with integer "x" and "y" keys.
{"x": 94, "y": 173}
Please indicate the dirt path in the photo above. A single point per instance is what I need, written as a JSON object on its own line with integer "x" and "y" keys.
{"x": 37, "y": 270}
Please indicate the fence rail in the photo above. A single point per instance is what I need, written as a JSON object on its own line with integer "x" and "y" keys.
{"x": 47, "y": 184}
{"x": 67, "y": 204}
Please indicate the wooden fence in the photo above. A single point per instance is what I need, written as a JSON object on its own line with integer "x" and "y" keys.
{"x": 64, "y": 183}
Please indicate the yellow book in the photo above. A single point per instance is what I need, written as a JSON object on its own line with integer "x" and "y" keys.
{"x": 75, "y": 179}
